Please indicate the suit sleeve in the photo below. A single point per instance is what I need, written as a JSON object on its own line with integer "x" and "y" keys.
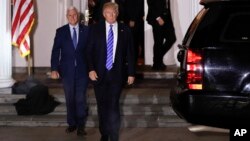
{"x": 56, "y": 51}
{"x": 90, "y": 49}
{"x": 130, "y": 54}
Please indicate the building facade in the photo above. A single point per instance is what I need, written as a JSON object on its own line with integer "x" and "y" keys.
{"x": 51, "y": 14}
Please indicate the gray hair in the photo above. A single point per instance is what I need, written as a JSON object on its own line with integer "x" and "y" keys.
{"x": 72, "y": 8}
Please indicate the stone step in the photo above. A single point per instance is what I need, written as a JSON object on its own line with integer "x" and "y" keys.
{"x": 143, "y": 71}
{"x": 139, "y": 109}
{"x": 60, "y": 120}
{"x": 128, "y": 110}
{"x": 129, "y": 96}
{"x": 139, "y": 83}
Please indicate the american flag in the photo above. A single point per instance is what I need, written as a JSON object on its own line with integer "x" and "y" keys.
{"x": 22, "y": 22}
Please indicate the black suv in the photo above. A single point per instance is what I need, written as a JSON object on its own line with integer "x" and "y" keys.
{"x": 214, "y": 76}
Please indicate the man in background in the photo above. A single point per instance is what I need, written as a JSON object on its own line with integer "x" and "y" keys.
{"x": 159, "y": 17}
{"x": 134, "y": 18}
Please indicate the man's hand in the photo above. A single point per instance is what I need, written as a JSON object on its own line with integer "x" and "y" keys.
{"x": 131, "y": 80}
{"x": 160, "y": 21}
{"x": 93, "y": 76}
{"x": 54, "y": 75}
{"x": 131, "y": 24}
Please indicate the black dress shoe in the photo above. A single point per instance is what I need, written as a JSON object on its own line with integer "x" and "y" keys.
{"x": 81, "y": 131}
{"x": 161, "y": 67}
{"x": 104, "y": 138}
{"x": 70, "y": 129}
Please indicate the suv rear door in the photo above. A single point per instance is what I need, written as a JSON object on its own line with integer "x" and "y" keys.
{"x": 221, "y": 35}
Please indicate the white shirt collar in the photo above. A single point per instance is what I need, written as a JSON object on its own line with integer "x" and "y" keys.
{"x": 107, "y": 24}
{"x": 76, "y": 26}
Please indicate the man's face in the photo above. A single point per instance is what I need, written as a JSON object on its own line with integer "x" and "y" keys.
{"x": 110, "y": 15}
{"x": 72, "y": 17}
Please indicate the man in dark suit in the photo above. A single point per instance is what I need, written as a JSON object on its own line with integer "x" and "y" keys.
{"x": 111, "y": 63}
{"x": 69, "y": 63}
{"x": 134, "y": 14}
{"x": 159, "y": 17}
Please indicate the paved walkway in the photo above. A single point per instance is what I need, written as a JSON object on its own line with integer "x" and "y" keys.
{"x": 127, "y": 134}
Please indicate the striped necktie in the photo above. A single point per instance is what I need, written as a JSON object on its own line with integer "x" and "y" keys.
{"x": 74, "y": 38}
{"x": 109, "y": 61}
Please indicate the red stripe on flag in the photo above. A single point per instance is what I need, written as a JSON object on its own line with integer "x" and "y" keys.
{"x": 26, "y": 45}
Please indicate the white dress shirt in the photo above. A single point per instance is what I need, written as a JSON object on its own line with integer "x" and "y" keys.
{"x": 72, "y": 31}
{"x": 115, "y": 33}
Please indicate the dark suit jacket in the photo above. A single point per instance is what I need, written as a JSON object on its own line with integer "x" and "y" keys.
{"x": 134, "y": 10}
{"x": 156, "y": 8}
{"x": 124, "y": 63}
{"x": 64, "y": 55}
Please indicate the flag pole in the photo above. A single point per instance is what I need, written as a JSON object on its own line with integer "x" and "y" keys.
{"x": 29, "y": 66}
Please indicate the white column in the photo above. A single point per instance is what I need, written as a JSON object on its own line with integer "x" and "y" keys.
{"x": 5, "y": 45}
{"x": 62, "y": 6}
{"x": 149, "y": 41}
{"x": 84, "y": 5}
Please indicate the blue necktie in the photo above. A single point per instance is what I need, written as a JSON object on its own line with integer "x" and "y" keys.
{"x": 109, "y": 61}
{"x": 74, "y": 37}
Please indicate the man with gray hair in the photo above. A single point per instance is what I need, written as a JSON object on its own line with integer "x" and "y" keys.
{"x": 68, "y": 63}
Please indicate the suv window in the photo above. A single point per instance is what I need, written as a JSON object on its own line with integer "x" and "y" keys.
{"x": 193, "y": 26}
{"x": 237, "y": 28}
{"x": 221, "y": 25}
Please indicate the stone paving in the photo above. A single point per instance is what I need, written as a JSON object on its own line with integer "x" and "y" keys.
{"x": 146, "y": 112}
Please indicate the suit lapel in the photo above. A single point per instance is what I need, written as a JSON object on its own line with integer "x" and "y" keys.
{"x": 103, "y": 41}
{"x": 119, "y": 40}
{"x": 80, "y": 36}
{"x": 104, "y": 34}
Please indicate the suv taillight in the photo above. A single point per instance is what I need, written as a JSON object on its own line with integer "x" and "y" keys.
{"x": 194, "y": 70}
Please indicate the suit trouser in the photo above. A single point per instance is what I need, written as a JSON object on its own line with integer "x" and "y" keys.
{"x": 107, "y": 96}
{"x": 75, "y": 95}
{"x": 160, "y": 48}
{"x": 138, "y": 36}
